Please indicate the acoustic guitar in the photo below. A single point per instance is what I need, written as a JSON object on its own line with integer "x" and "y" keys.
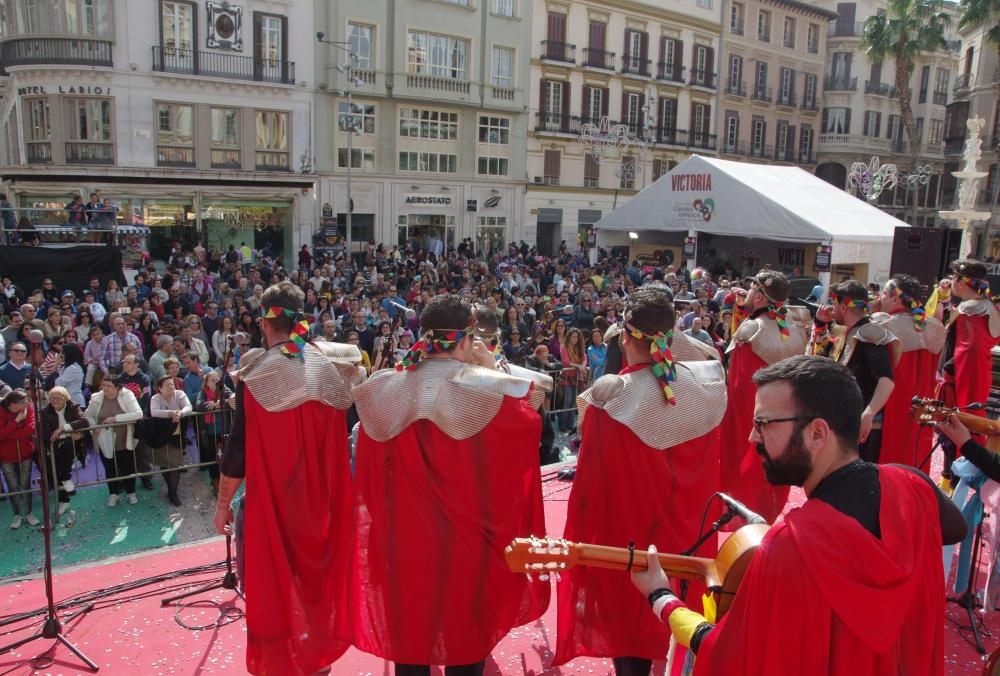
{"x": 722, "y": 576}
{"x": 930, "y": 411}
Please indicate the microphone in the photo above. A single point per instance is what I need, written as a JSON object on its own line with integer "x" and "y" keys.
{"x": 36, "y": 336}
{"x": 409, "y": 312}
{"x": 741, "y": 510}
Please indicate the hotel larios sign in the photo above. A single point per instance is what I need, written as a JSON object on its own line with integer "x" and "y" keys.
{"x": 36, "y": 90}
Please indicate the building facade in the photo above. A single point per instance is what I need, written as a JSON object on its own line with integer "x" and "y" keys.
{"x": 436, "y": 141}
{"x": 772, "y": 84}
{"x": 651, "y": 69}
{"x": 193, "y": 117}
{"x": 975, "y": 96}
{"x": 861, "y": 115}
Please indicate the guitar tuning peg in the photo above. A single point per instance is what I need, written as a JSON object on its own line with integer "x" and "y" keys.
{"x": 531, "y": 578}
{"x": 557, "y": 577}
{"x": 544, "y": 577}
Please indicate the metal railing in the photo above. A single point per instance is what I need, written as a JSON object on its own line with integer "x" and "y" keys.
{"x": 940, "y": 98}
{"x": 845, "y": 29}
{"x": 671, "y": 136}
{"x": 737, "y": 148}
{"x": 670, "y": 72}
{"x": 220, "y": 65}
{"x": 39, "y": 152}
{"x": 736, "y": 88}
{"x": 877, "y": 88}
{"x": 563, "y": 52}
{"x": 173, "y": 156}
{"x": 598, "y": 58}
{"x": 81, "y": 152}
{"x": 736, "y": 28}
{"x": 633, "y": 65}
{"x": 702, "y": 78}
{"x": 55, "y": 51}
{"x": 268, "y": 160}
{"x": 840, "y": 84}
{"x": 760, "y": 151}
{"x": 559, "y": 123}
{"x": 702, "y": 140}
{"x": 809, "y": 103}
{"x": 787, "y": 99}
{"x": 765, "y": 94}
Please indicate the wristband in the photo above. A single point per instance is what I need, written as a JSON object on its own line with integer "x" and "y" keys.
{"x": 658, "y": 594}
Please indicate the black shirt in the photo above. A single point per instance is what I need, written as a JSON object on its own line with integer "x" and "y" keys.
{"x": 234, "y": 455}
{"x": 868, "y": 363}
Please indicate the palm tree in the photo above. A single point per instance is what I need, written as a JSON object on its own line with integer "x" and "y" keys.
{"x": 908, "y": 28}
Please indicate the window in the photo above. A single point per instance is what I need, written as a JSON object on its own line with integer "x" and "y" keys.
{"x": 464, "y": 3}
{"x": 703, "y": 66}
{"x": 659, "y": 168}
{"x": 501, "y": 74}
{"x": 428, "y": 124}
{"x": 90, "y": 135}
{"x": 272, "y": 141}
{"x": 360, "y": 39}
{"x": 806, "y": 144}
{"x": 925, "y": 77}
{"x": 225, "y": 138}
{"x": 174, "y": 135}
{"x": 809, "y": 99}
{"x": 632, "y": 107}
{"x": 591, "y": 171}
{"x": 936, "y": 131}
{"x": 435, "y": 163}
{"x": 941, "y": 78}
{"x": 873, "y": 123}
{"x": 668, "y": 114}
{"x": 781, "y": 141}
{"x": 361, "y": 158}
{"x": 494, "y": 130}
{"x": 668, "y": 49}
{"x": 788, "y": 85}
{"x": 627, "y": 172}
{"x": 593, "y": 103}
{"x": 552, "y": 168}
{"x": 761, "y": 79}
{"x": 841, "y": 67}
{"x": 364, "y": 114}
{"x": 503, "y": 7}
{"x": 788, "y": 34}
{"x": 736, "y": 18}
{"x": 836, "y": 121}
{"x": 736, "y": 74}
{"x": 764, "y": 26}
{"x": 493, "y": 166}
{"x": 812, "y": 40}
{"x": 920, "y": 130}
{"x": 758, "y": 129}
{"x": 362, "y": 150}
{"x": 894, "y": 128}
{"x": 37, "y": 111}
{"x": 437, "y": 55}
{"x": 704, "y": 4}
{"x": 732, "y": 131}
{"x": 701, "y": 114}
{"x": 177, "y": 24}
{"x": 269, "y": 40}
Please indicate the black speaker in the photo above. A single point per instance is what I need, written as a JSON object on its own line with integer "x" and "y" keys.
{"x": 924, "y": 252}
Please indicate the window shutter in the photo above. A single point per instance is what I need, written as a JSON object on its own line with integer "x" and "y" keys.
{"x": 585, "y": 102}
{"x": 623, "y": 117}
{"x": 826, "y": 118}
{"x": 865, "y": 131}
{"x": 709, "y": 65}
{"x": 639, "y": 121}
{"x": 692, "y": 118}
{"x": 628, "y": 34}
{"x": 878, "y": 124}
{"x": 557, "y": 27}
{"x": 663, "y": 50}
{"x": 597, "y": 35}
{"x": 850, "y": 55}
{"x": 790, "y": 144}
{"x": 565, "y": 100}
{"x": 543, "y": 87}
{"x": 643, "y": 52}
{"x": 605, "y": 95}
{"x": 847, "y": 122}
{"x": 678, "y": 55}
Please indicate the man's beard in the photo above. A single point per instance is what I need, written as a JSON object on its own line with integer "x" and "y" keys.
{"x": 792, "y": 467}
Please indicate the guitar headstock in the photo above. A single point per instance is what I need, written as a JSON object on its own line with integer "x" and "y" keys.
{"x": 929, "y": 411}
{"x": 541, "y": 555}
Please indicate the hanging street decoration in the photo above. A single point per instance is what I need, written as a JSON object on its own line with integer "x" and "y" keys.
{"x": 871, "y": 179}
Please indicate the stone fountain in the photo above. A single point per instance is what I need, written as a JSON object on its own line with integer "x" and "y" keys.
{"x": 969, "y": 179}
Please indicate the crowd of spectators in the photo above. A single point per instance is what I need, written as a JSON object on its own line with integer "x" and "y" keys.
{"x": 155, "y": 349}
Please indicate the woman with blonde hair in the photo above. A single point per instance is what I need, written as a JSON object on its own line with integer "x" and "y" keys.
{"x": 167, "y": 407}
{"x": 112, "y": 405}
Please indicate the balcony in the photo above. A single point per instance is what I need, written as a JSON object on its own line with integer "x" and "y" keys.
{"x": 36, "y": 51}
{"x": 670, "y": 72}
{"x": 940, "y": 98}
{"x": 556, "y": 123}
{"x": 786, "y": 155}
{"x": 761, "y": 151}
{"x": 560, "y": 52}
{"x": 225, "y": 66}
{"x": 505, "y": 94}
{"x": 807, "y": 157}
{"x": 702, "y": 78}
{"x": 172, "y": 156}
{"x": 702, "y": 141}
{"x": 598, "y": 58}
{"x": 787, "y": 99}
{"x": 788, "y": 43}
{"x": 764, "y": 37}
{"x": 78, "y": 152}
{"x": 765, "y": 94}
{"x": 854, "y": 142}
{"x": 934, "y": 148}
{"x": 672, "y": 137}
{"x": 809, "y": 103}
{"x": 812, "y": 46}
{"x": 39, "y": 152}
{"x": 736, "y": 88}
{"x": 963, "y": 83}
{"x": 366, "y": 75}
{"x": 736, "y": 28}
{"x": 436, "y": 83}
{"x": 840, "y": 84}
{"x": 633, "y": 65}
{"x": 271, "y": 160}
{"x": 737, "y": 148}
{"x": 845, "y": 29}
{"x": 225, "y": 159}
{"x": 877, "y": 88}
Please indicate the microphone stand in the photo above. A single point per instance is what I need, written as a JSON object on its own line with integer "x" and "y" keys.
{"x": 229, "y": 580}
{"x": 51, "y": 628}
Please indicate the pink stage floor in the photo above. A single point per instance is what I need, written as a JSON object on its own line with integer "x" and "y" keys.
{"x": 140, "y": 637}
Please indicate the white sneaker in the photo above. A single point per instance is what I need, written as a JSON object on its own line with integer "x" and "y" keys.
{"x": 112, "y": 500}
{"x": 32, "y": 520}
{"x": 63, "y": 506}
{"x": 16, "y": 523}
{"x": 68, "y": 486}
{"x": 132, "y": 499}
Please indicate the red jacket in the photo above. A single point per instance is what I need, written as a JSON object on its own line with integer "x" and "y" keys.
{"x": 17, "y": 439}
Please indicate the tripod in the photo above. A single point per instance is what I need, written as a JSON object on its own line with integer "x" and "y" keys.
{"x": 229, "y": 580}
{"x": 968, "y": 598}
{"x": 52, "y": 628}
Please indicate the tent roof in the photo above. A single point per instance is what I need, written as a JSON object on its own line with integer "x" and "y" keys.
{"x": 752, "y": 200}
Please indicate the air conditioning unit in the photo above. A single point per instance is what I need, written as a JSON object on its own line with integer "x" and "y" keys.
{"x": 539, "y": 180}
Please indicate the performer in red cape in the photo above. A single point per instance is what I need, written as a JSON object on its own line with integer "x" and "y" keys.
{"x": 289, "y": 440}
{"x": 916, "y": 352}
{"x": 766, "y": 337}
{"x": 649, "y": 464}
{"x": 966, "y": 365}
{"x": 851, "y": 582}
{"x": 447, "y": 475}
{"x": 864, "y": 347}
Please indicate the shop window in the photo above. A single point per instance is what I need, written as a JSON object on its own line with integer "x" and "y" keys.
{"x": 90, "y": 131}
{"x": 225, "y": 138}
{"x": 491, "y": 234}
{"x": 272, "y": 141}
{"x": 174, "y": 135}
{"x": 493, "y": 166}
{"x": 426, "y": 232}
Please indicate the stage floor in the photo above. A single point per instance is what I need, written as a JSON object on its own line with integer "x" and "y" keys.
{"x": 141, "y": 637}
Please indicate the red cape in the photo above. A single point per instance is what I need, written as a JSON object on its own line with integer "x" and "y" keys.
{"x": 824, "y": 596}
{"x": 433, "y": 516}
{"x": 973, "y": 360}
{"x": 626, "y": 491}
{"x": 903, "y": 440}
{"x": 742, "y": 472}
{"x": 298, "y": 463}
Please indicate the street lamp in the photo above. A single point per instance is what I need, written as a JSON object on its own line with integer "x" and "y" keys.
{"x": 351, "y": 123}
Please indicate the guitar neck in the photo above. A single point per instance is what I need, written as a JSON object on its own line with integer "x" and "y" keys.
{"x": 979, "y": 425}
{"x": 674, "y": 565}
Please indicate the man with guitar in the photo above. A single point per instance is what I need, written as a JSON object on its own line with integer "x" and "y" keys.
{"x": 851, "y": 582}
{"x": 447, "y": 474}
{"x": 648, "y": 464}
{"x": 915, "y": 353}
{"x": 965, "y": 371}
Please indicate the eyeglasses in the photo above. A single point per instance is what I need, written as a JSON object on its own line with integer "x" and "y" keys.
{"x": 760, "y": 423}
{"x": 18, "y": 349}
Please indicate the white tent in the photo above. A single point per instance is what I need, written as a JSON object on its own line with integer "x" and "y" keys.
{"x": 741, "y": 199}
